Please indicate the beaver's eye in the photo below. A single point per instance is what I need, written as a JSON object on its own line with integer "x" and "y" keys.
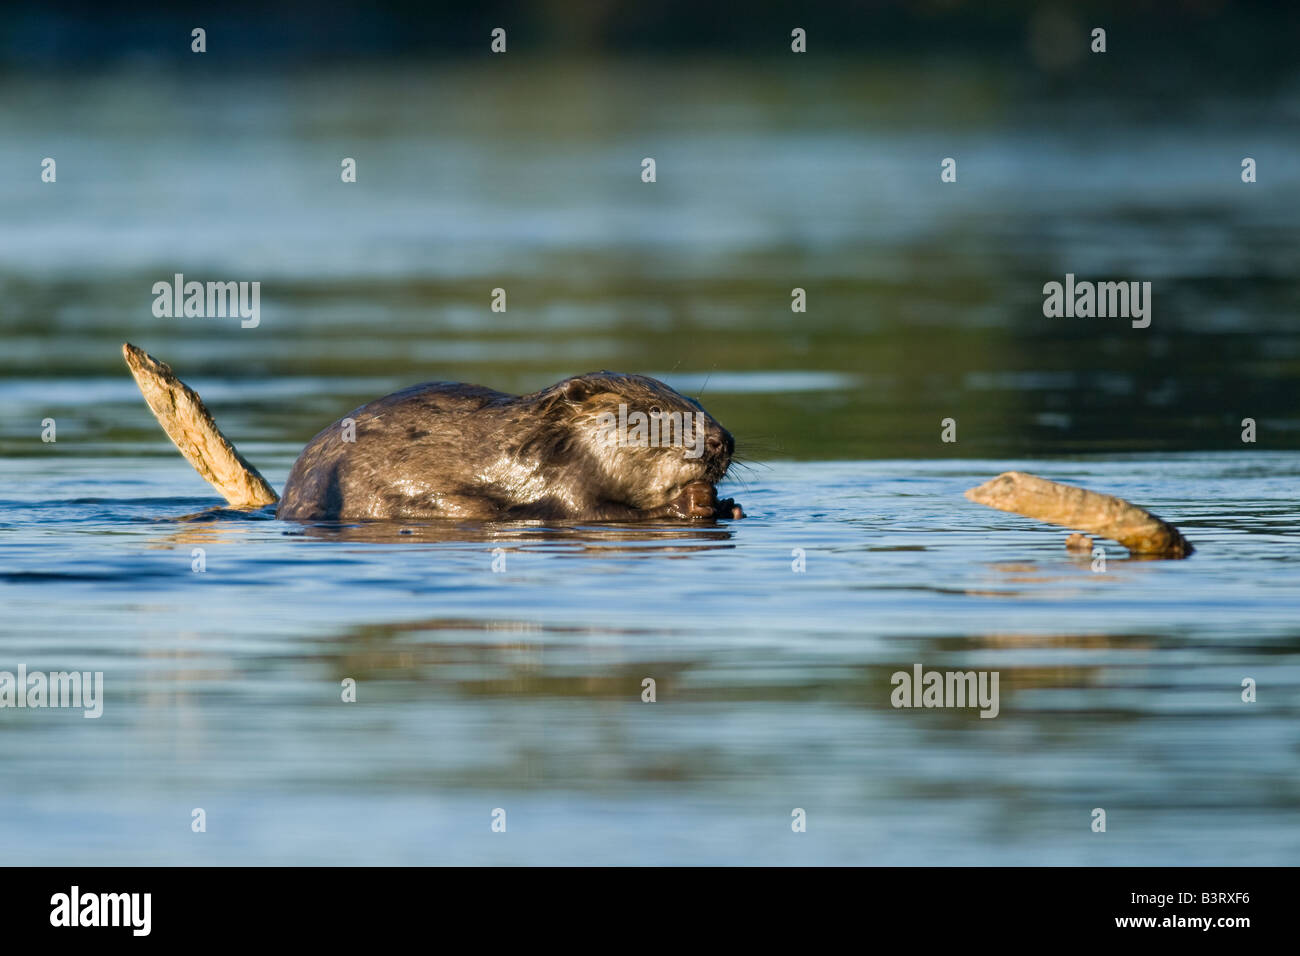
{"x": 654, "y": 410}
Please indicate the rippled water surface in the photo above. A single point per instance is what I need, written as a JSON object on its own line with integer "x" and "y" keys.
{"x": 521, "y": 689}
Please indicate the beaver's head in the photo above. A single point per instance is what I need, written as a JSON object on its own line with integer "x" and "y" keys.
{"x": 646, "y": 441}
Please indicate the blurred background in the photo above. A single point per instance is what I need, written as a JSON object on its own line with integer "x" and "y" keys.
{"x": 775, "y": 171}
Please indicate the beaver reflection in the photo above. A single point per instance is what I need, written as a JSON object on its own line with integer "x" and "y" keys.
{"x": 449, "y": 450}
{"x": 670, "y": 536}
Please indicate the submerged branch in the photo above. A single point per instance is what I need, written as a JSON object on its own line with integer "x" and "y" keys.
{"x": 1077, "y": 508}
{"x": 189, "y": 425}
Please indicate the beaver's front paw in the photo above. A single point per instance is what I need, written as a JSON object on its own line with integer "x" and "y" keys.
{"x": 727, "y": 508}
{"x": 699, "y": 499}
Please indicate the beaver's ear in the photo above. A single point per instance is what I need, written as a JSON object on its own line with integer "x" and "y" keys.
{"x": 578, "y": 390}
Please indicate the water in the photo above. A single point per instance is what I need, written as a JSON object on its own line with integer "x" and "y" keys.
{"x": 521, "y": 690}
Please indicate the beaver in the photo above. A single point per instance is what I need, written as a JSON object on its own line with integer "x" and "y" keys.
{"x": 604, "y": 446}
{"x": 450, "y": 450}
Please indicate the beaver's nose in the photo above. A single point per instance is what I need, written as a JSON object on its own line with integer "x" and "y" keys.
{"x": 717, "y": 442}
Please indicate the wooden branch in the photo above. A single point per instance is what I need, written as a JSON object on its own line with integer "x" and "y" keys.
{"x": 189, "y": 425}
{"x": 1077, "y": 508}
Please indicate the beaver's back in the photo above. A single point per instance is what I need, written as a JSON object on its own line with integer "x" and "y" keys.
{"x": 414, "y": 454}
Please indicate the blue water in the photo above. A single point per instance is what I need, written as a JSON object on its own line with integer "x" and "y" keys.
{"x": 521, "y": 689}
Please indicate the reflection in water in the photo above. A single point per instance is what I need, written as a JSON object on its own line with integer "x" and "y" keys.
{"x": 214, "y": 524}
{"x": 583, "y": 538}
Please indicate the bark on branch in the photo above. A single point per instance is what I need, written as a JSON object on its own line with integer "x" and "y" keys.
{"x": 1077, "y": 508}
{"x": 189, "y": 425}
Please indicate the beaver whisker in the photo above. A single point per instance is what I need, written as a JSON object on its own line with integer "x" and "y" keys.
{"x": 762, "y": 443}
{"x": 750, "y": 465}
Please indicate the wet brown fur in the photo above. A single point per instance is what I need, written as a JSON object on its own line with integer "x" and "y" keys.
{"x": 447, "y": 450}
